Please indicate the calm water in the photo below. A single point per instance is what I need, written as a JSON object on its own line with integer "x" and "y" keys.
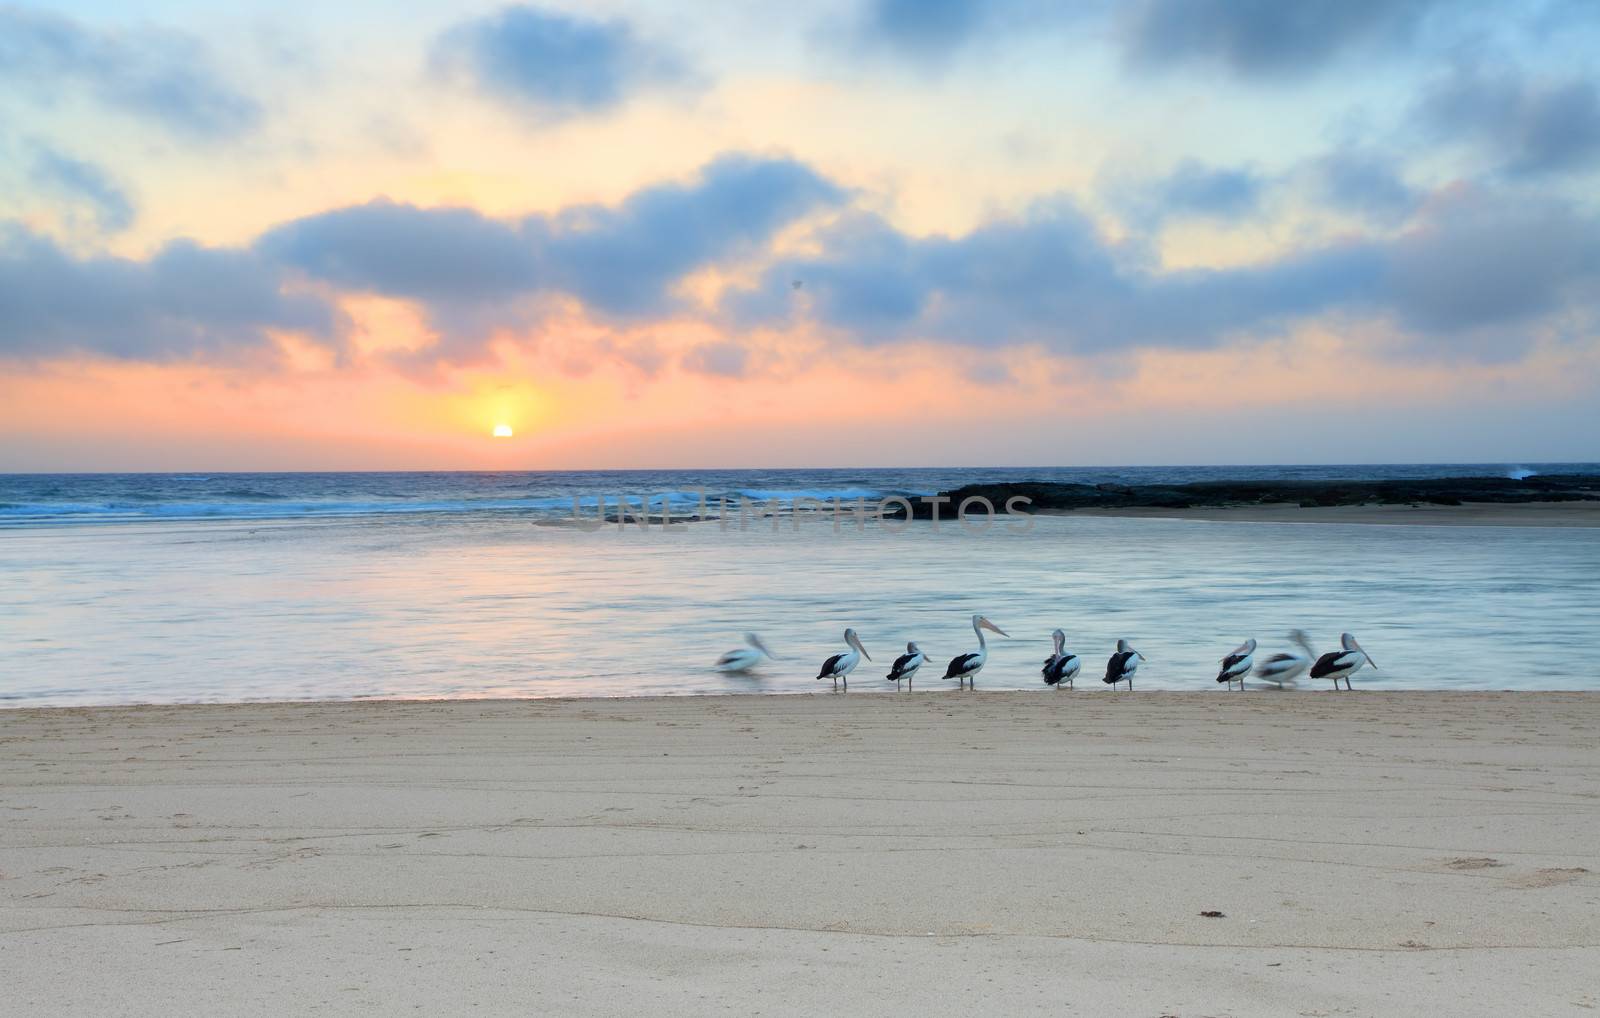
{"x": 474, "y": 603}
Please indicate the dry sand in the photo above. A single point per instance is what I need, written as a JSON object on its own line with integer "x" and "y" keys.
{"x": 1468, "y": 514}
{"x": 935, "y": 854}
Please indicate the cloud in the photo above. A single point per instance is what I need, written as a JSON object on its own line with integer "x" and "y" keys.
{"x": 558, "y": 65}
{"x": 1471, "y": 264}
{"x": 1192, "y": 190}
{"x": 1359, "y": 182}
{"x": 930, "y": 33}
{"x": 1475, "y": 265}
{"x": 184, "y": 302}
{"x": 928, "y": 30}
{"x": 81, "y": 182}
{"x": 726, "y": 359}
{"x": 162, "y": 76}
{"x": 1475, "y": 274}
{"x": 1530, "y": 127}
{"x": 440, "y": 255}
{"x": 621, "y": 260}
{"x": 1264, "y": 38}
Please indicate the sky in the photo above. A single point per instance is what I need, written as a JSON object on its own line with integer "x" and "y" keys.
{"x": 744, "y": 233}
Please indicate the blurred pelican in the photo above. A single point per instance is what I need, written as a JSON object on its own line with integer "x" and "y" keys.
{"x": 905, "y": 666}
{"x": 1122, "y": 665}
{"x": 839, "y": 666}
{"x": 1237, "y": 664}
{"x": 965, "y": 667}
{"x": 744, "y": 658}
{"x": 1286, "y": 667}
{"x": 1341, "y": 664}
{"x": 1060, "y": 668}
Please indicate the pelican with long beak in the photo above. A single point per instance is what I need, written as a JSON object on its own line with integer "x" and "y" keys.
{"x": 839, "y": 666}
{"x": 1122, "y": 665}
{"x": 1288, "y": 666}
{"x": 745, "y": 658}
{"x": 1237, "y": 664}
{"x": 1341, "y": 664}
{"x": 905, "y": 666}
{"x": 964, "y": 668}
{"x": 1060, "y": 668}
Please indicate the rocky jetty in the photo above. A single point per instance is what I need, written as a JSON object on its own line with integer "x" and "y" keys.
{"x": 1447, "y": 491}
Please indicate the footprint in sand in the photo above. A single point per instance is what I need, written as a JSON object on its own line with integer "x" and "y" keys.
{"x": 1472, "y": 863}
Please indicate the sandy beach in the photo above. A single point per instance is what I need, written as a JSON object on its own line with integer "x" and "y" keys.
{"x": 1371, "y": 853}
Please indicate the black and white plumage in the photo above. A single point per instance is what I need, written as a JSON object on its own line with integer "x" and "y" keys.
{"x": 1237, "y": 664}
{"x": 964, "y": 668}
{"x": 1061, "y": 667}
{"x": 1285, "y": 667}
{"x": 1341, "y": 664}
{"x": 905, "y": 666}
{"x": 744, "y": 658}
{"x": 1122, "y": 665}
{"x": 839, "y": 666}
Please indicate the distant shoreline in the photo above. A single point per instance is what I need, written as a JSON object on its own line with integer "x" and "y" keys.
{"x": 1538, "y": 500}
{"x": 1468, "y": 514}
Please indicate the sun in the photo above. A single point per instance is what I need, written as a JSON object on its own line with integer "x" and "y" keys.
{"x": 502, "y": 431}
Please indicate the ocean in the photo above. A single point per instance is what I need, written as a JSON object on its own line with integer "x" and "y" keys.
{"x": 162, "y": 588}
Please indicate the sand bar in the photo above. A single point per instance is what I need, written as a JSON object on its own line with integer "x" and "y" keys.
{"x": 1372, "y": 853}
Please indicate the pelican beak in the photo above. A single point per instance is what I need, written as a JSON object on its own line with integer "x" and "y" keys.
{"x": 762, "y": 647}
{"x": 1141, "y": 656}
{"x": 855, "y": 641}
{"x": 1364, "y": 654}
{"x": 985, "y": 623}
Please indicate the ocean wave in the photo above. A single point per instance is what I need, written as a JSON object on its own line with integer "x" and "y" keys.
{"x": 817, "y": 494}
{"x": 1521, "y": 473}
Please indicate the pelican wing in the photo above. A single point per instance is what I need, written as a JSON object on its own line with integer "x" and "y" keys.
{"x": 1117, "y": 668}
{"x": 829, "y": 666}
{"x": 961, "y": 664}
{"x": 903, "y": 664}
{"x": 1333, "y": 661}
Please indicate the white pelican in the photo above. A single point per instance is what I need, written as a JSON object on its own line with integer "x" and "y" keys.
{"x": 965, "y": 667}
{"x": 745, "y": 658}
{"x": 1287, "y": 667}
{"x": 1237, "y": 664}
{"x": 839, "y": 666}
{"x": 905, "y": 666}
{"x": 1060, "y": 668}
{"x": 1122, "y": 665}
{"x": 1341, "y": 664}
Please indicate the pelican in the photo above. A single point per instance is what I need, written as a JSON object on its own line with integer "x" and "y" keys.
{"x": 744, "y": 658}
{"x": 1060, "y": 668}
{"x": 1122, "y": 665}
{"x": 839, "y": 666}
{"x": 905, "y": 666}
{"x": 1341, "y": 664}
{"x": 965, "y": 667}
{"x": 1237, "y": 664}
{"x": 1287, "y": 667}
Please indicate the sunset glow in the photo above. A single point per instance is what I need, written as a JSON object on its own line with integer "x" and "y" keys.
{"x": 1028, "y": 237}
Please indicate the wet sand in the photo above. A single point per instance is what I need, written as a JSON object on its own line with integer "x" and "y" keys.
{"x": 937, "y": 854}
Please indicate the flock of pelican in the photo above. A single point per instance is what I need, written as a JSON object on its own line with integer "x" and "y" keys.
{"x": 1062, "y": 667}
